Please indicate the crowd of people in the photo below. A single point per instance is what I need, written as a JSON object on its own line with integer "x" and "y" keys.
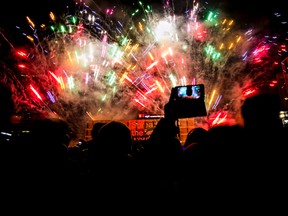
{"x": 239, "y": 166}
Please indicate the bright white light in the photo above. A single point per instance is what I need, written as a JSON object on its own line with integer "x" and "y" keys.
{"x": 164, "y": 31}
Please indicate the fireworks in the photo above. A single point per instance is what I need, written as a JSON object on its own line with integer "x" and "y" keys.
{"x": 117, "y": 63}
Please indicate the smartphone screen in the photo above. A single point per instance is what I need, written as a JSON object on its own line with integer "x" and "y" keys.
{"x": 189, "y": 101}
{"x": 189, "y": 92}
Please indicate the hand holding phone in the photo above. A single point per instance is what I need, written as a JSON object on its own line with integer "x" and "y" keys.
{"x": 187, "y": 101}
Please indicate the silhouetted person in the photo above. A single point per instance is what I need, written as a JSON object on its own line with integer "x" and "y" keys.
{"x": 84, "y": 151}
{"x": 95, "y": 129}
{"x": 195, "y": 135}
{"x": 262, "y": 123}
{"x": 162, "y": 153}
{"x": 114, "y": 142}
{"x": 261, "y": 112}
{"x": 265, "y": 150}
{"x": 92, "y": 144}
{"x": 41, "y": 166}
{"x": 111, "y": 173}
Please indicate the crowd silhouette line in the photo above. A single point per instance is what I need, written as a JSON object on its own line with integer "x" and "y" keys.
{"x": 224, "y": 165}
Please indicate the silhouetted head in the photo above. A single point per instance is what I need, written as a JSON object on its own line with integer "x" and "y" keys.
{"x": 52, "y": 131}
{"x": 114, "y": 141}
{"x": 96, "y": 128}
{"x": 262, "y": 111}
{"x": 196, "y": 135}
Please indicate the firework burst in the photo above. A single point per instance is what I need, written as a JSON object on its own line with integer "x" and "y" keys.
{"x": 112, "y": 63}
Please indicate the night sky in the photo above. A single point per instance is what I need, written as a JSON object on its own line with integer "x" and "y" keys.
{"x": 247, "y": 13}
{"x": 11, "y": 13}
{"x": 254, "y": 13}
